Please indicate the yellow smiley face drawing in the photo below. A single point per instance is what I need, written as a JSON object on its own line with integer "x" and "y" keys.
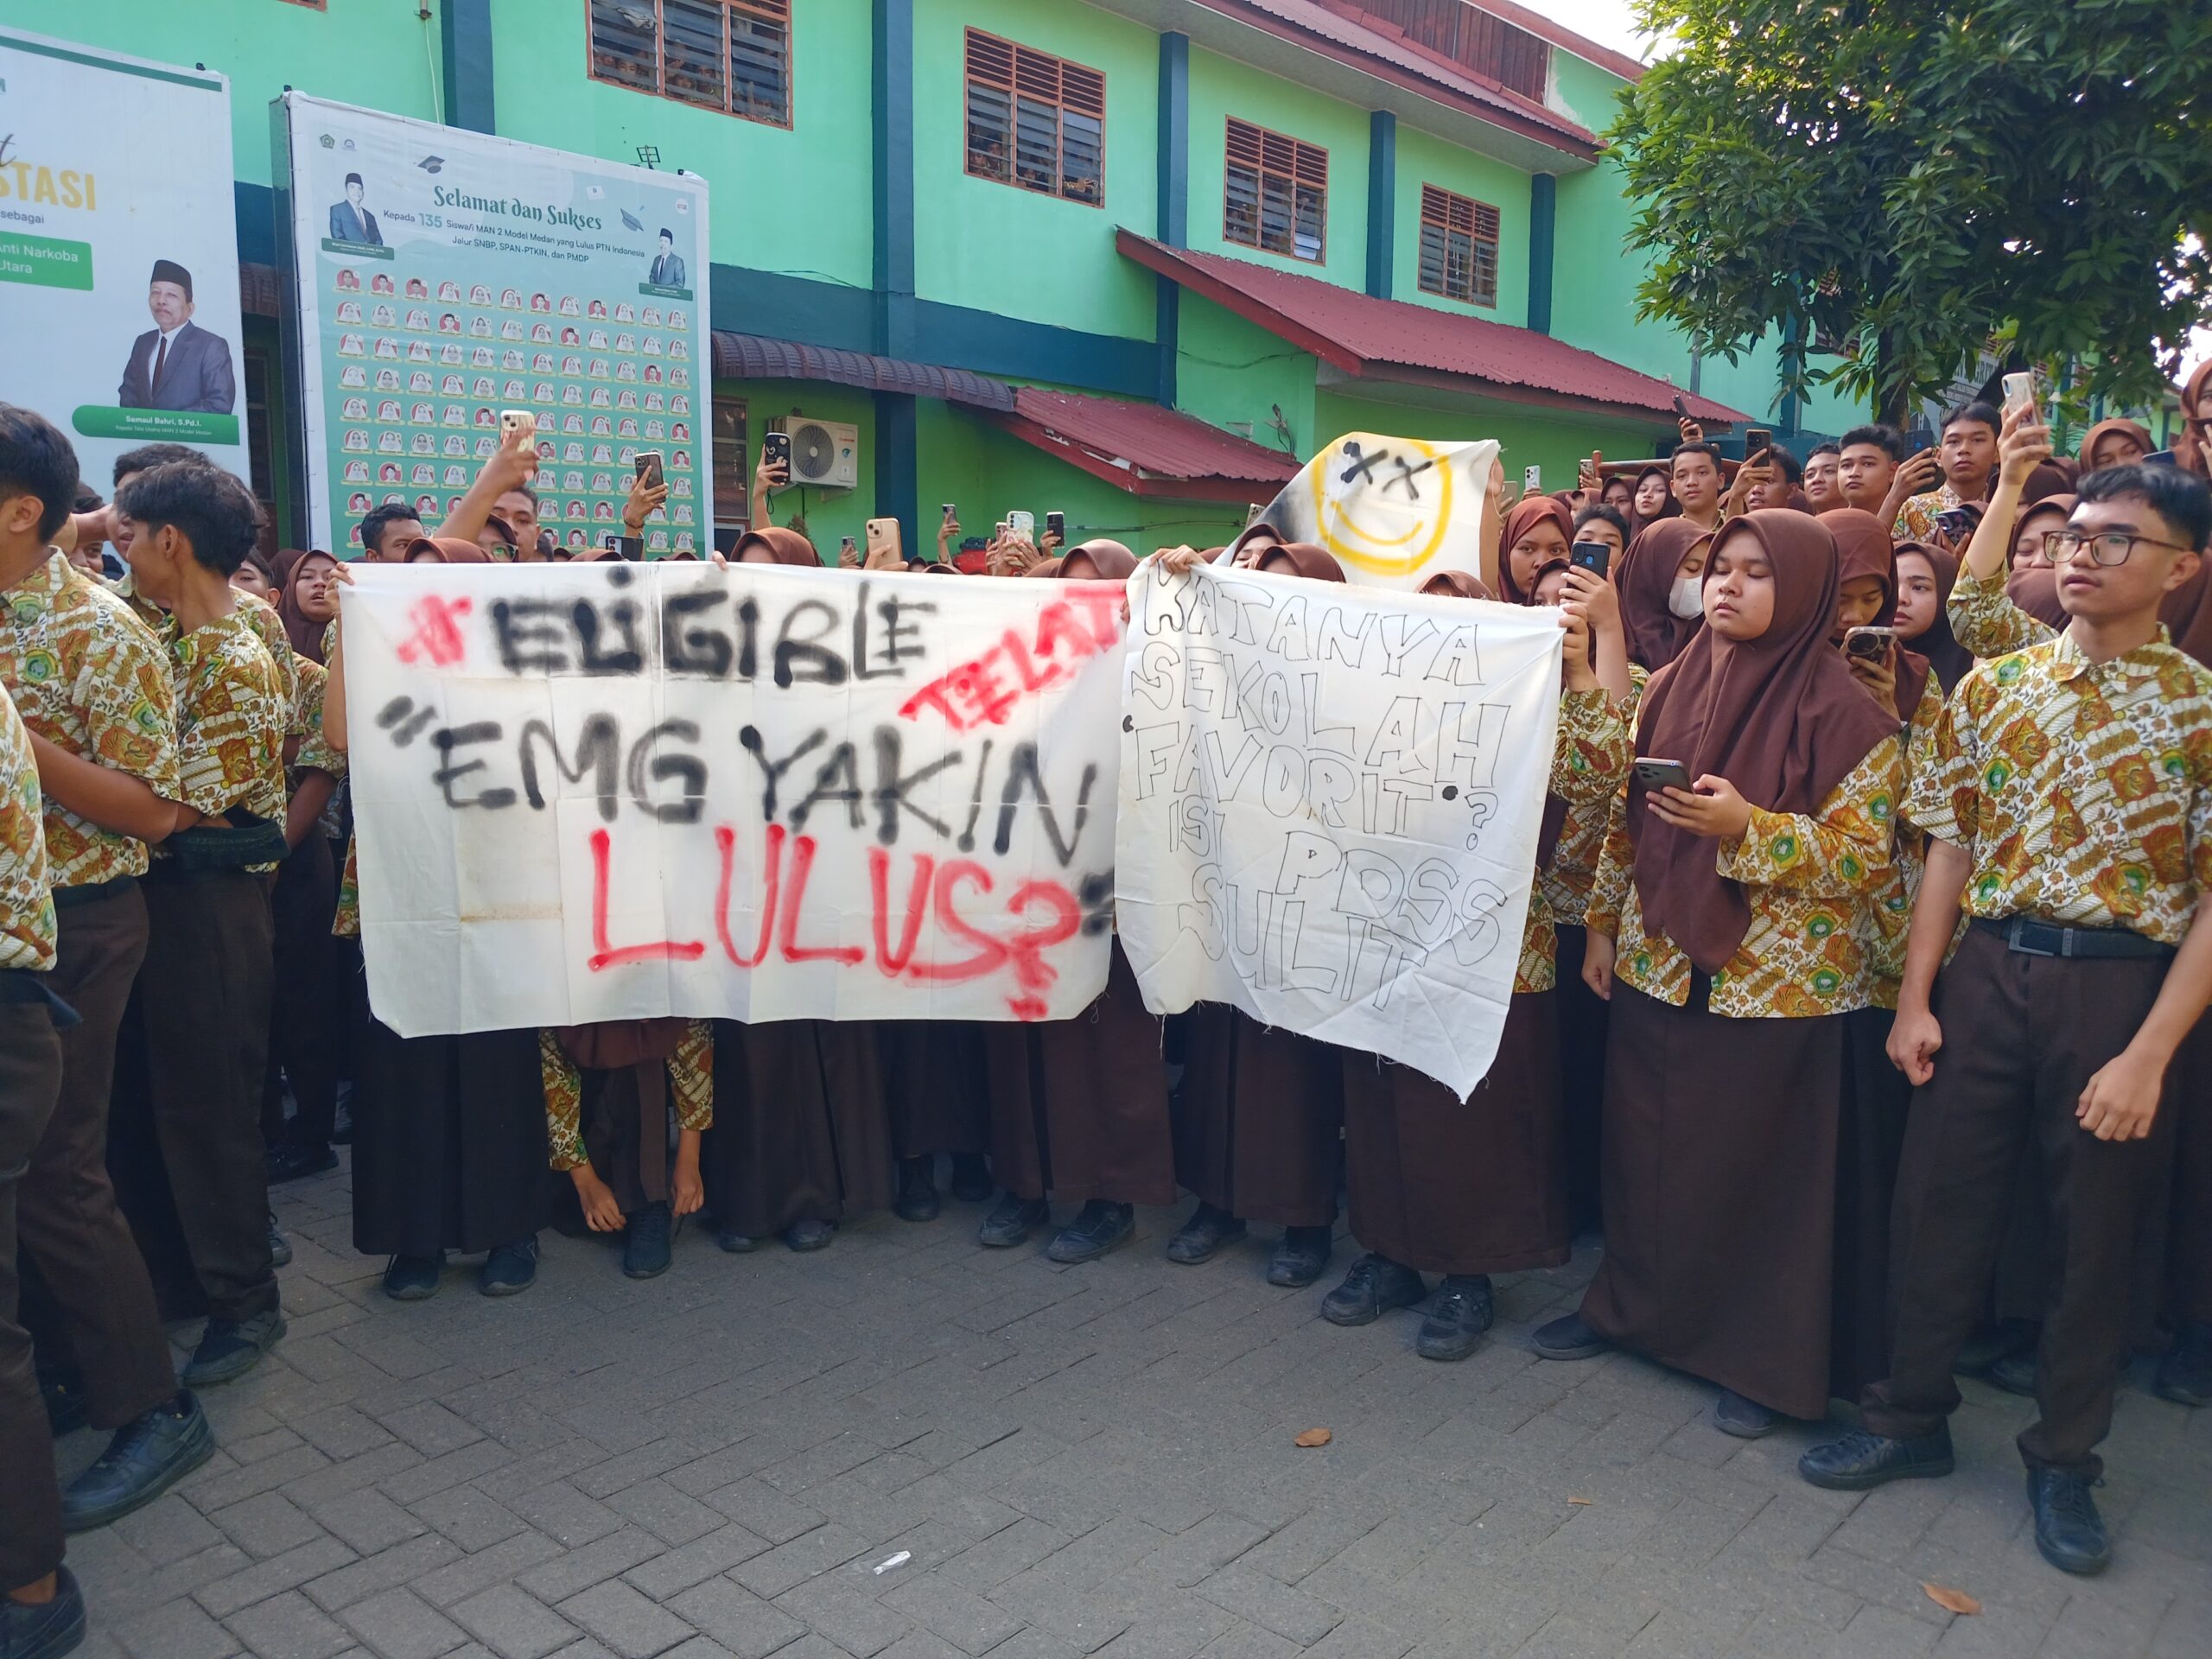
{"x": 1383, "y": 504}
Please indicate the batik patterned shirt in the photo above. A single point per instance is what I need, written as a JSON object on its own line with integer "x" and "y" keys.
{"x": 1565, "y": 882}
{"x": 1886, "y": 921}
{"x": 2083, "y": 791}
{"x": 89, "y": 677}
{"x": 1987, "y": 622}
{"x": 1589, "y": 758}
{"x": 27, "y": 932}
{"x": 690, "y": 1080}
{"x": 1917, "y": 518}
{"x": 232, "y": 717}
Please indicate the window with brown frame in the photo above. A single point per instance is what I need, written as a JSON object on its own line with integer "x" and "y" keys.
{"x": 1459, "y": 247}
{"x": 733, "y": 55}
{"x": 1276, "y": 193}
{"x": 1035, "y": 121}
{"x": 731, "y": 509}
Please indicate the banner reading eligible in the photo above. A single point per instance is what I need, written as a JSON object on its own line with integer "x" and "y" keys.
{"x": 118, "y": 251}
{"x": 444, "y": 276}
{"x": 609, "y": 791}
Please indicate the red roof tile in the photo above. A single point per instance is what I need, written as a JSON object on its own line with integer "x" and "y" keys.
{"x": 1145, "y": 449}
{"x": 1396, "y": 340}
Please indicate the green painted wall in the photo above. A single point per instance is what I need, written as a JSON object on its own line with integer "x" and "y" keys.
{"x": 1583, "y": 93}
{"x": 1221, "y": 88}
{"x": 997, "y": 247}
{"x": 829, "y": 514}
{"x": 1227, "y": 370}
{"x": 374, "y": 53}
{"x": 795, "y": 200}
{"x": 1555, "y": 443}
{"x": 1426, "y": 160}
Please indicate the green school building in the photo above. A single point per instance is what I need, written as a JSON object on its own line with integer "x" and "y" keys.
{"x": 1131, "y": 260}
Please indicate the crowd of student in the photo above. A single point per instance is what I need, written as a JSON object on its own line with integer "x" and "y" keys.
{"x": 1857, "y": 1034}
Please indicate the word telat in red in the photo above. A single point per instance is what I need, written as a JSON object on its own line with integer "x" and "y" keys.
{"x": 985, "y": 689}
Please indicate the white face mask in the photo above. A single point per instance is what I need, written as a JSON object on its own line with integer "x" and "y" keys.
{"x": 1686, "y": 599}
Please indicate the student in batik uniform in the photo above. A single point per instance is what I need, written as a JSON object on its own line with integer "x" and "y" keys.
{"x": 2070, "y": 817}
{"x": 1722, "y": 932}
{"x": 91, "y": 686}
{"x": 608, "y": 1088}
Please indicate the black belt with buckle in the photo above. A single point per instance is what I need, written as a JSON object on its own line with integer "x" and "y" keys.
{"x": 2032, "y": 937}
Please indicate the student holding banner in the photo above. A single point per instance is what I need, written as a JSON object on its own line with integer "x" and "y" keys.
{"x": 1721, "y": 929}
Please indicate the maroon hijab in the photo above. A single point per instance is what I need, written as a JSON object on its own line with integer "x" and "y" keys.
{"x": 1939, "y": 647}
{"x": 302, "y": 630}
{"x": 1645, "y": 577}
{"x": 1779, "y": 716}
{"x": 1518, "y": 522}
{"x": 1314, "y": 563}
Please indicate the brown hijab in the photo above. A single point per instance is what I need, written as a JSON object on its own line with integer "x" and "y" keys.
{"x": 2034, "y": 587}
{"x": 1314, "y": 563}
{"x": 1668, "y": 507}
{"x": 1047, "y": 569}
{"x": 302, "y": 630}
{"x": 1113, "y": 562}
{"x": 1518, "y": 522}
{"x": 447, "y": 550}
{"x": 2186, "y": 613}
{"x": 1863, "y": 548}
{"x": 1456, "y": 584}
{"x": 1939, "y": 647}
{"x": 786, "y": 546}
{"x": 1258, "y": 527}
{"x": 2194, "y": 451}
{"x": 2134, "y": 429}
{"x": 1779, "y": 716}
{"x": 1645, "y": 577}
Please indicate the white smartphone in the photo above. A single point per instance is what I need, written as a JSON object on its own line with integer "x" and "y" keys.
{"x": 1532, "y": 480}
{"x": 2020, "y": 391}
{"x": 512, "y": 421}
{"x": 1022, "y": 522}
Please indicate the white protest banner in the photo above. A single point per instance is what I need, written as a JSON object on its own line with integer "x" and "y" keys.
{"x": 445, "y": 274}
{"x": 608, "y": 791}
{"x": 1392, "y": 512}
{"x": 118, "y": 250}
{"x": 1330, "y": 804}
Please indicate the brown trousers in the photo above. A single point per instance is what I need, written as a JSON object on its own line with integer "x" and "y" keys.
{"x": 94, "y": 1305}
{"x": 1259, "y": 1120}
{"x": 30, "y": 1501}
{"x": 2021, "y": 1035}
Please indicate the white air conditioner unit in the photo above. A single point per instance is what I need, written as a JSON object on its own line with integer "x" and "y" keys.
{"x": 825, "y": 454}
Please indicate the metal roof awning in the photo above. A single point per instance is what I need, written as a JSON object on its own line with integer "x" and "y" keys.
{"x": 1145, "y": 449}
{"x": 755, "y": 357}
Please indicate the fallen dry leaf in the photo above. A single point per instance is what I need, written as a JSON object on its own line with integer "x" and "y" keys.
{"x": 1955, "y": 1601}
{"x": 1578, "y": 1500}
{"x": 1314, "y": 1437}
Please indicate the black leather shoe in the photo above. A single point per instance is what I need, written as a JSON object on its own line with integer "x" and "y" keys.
{"x": 280, "y": 1248}
{"x": 737, "y": 1243}
{"x": 149, "y": 1454}
{"x": 1860, "y": 1461}
{"x": 510, "y": 1269}
{"x": 2185, "y": 1375}
{"x": 1098, "y": 1227}
{"x": 1457, "y": 1319}
{"x": 1746, "y": 1420}
{"x": 413, "y": 1278}
{"x": 1009, "y": 1222}
{"x": 291, "y": 1163}
{"x": 231, "y": 1347}
{"x": 2069, "y": 1530}
{"x": 1372, "y": 1286}
{"x": 64, "y": 1398}
{"x": 809, "y": 1233}
{"x": 2015, "y": 1374}
{"x": 1567, "y": 1337}
{"x": 971, "y": 1177}
{"x": 1202, "y": 1237}
{"x": 47, "y": 1629}
{"x": 917, "y": 1199}
{"x": 1992, "y": 1343}
{"x": 1301, "y": 1256}
{"x": 647, "y": 1243}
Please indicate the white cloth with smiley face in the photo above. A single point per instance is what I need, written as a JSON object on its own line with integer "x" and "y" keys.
{"x": 1392, "y": 512}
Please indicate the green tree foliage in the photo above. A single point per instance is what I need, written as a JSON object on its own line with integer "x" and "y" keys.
{"x": 1920, "y": 180}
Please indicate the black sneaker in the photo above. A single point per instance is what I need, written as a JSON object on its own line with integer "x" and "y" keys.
{"x": 510, "y": 1269}
{"x": 2015, "y": 1374}
{"x": 1372, "y": 1286}
{"x": 1009, "y": 1222}
{"x": 48, "y": 1629}
{"x": 413, "y": 1278}
{"x": 64, "y": 1398}
{"x": 1567, "y": 1337}
{"x": 1301, "y": 1256}
{"x": 1455, "y": 1323}
{"x": 647, "y": 1243}
{"x": 291, "y": 1163}
{"x": 149, "y": 1454}
{"x": 1200, "y": 1239}
{"x": 2069, "y": 1530}
{"x": 280, "y": 1248}
{"x": 971, "y": 1177}
{"x": 231, "y": 1347}
{"x": 917, "y": 1199}
{"x": 1746, "y": 1420}
{"x": 1097, "y": 1229}
{"x": 809, "y": 1233}
{"x": 2185, "y": 1375}
{"x": 1860, "y": 1461}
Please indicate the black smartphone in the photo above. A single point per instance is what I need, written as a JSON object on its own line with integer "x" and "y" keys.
{"x": 1594, "y": 556}
{"x": 627, "y": 547}
{"x": 1956, "y": 522}
{"x": 1681, "y": 409}
{"x": 649, "y": 469}
{"x": 1870, "y": 645}
{"x": 776, "y": 450}
{"x": 1755, "y": 439}
{"x": 1661, "y": 774}
{"x": 1056, "y": 523}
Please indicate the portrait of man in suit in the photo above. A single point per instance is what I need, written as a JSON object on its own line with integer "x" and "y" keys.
{"x": 350, "y": 222}
{"x": 177, "y": 365}
{"x": 668, "y": 269}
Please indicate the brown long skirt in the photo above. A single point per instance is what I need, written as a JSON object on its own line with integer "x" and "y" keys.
{"x": 800, "y": 1129}
{"x": 1258, "y": 1120}
{"x": 1870, "y": 1139}
{"x": 1719, "y": 1167}
{"x": 1079, "y": 1108}
{"x": 1582, "y": 1037}
{"x": 933, "y": 1086}
{"x": 2188, "y": 1243}
{"x": 1467, "y": 1189}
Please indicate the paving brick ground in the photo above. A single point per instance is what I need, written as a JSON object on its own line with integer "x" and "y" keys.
{"x": 1095, "y": 1460}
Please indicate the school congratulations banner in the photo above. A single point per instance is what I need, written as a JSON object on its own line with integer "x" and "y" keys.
{"x": 118, "y": 251}
{"x": 607, "y": 791}
{"x": 1330, "y": 804}
{"x": 446, "y": 275}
